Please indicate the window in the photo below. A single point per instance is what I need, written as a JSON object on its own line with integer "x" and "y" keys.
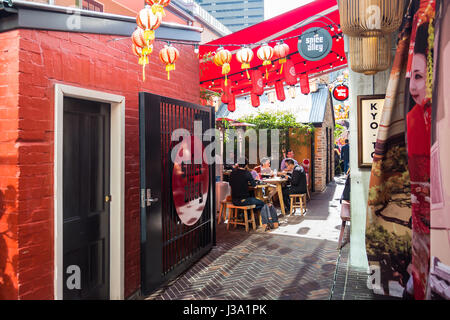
{"x": 92, "y": 5}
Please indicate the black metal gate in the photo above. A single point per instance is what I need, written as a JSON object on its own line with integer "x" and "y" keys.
{"x": 169, "y": 246}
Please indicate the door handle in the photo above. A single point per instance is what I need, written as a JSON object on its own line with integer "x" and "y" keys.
{"x": 146, "y": 198}
{"x": 150, "y": 200}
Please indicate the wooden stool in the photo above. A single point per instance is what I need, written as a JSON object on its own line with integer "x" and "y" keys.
{"x": 223, "y": 209}
{"x": 298, "y": 201}
{"x": 345, "y": 216}
{"x": 233, "y": 216}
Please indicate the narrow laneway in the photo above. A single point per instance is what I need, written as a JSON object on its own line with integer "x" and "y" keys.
{"x": 296, "y": 262}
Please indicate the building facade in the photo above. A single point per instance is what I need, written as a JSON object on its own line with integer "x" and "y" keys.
{"x": 185, "y": 12}
{"x": 41, "y": 71}
{"x": 235, "y": 14}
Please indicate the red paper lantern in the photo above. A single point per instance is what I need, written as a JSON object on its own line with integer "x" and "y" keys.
{"x": 290, "y": 75}
{"x": 169, "y": 55}
{"x": 232, "y": 103}
{"x": 222, "y": 58}
{"x": 245, "y": 56}
{"x": 141, "y": 48}
{"x": 257, "y": 83}
{"x": 255, "y": 100}
{"x": 149, "y": 22}
{"x": 265, "y": 53}
{"x": 304, "y": 83}
{"x": 279, "y": 89}
{"x": 280, "y": 51}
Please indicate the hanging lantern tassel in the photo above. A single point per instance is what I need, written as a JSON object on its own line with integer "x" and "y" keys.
{"x": 282, "y": 62}
{"x": 158, "y": 6}
{"x": 246, "y": 66}
{"x": 170, "y": 67}
{"x": 225, "y": 70}
{"x": 144, "y": 59}
{"x": 266, "y": 63}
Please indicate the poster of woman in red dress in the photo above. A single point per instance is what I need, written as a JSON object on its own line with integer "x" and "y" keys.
{"x": 420, "y": 71}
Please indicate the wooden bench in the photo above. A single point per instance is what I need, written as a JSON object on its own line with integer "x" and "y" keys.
{"x": 233, "y": 216}
{"x": 298, "y": 201}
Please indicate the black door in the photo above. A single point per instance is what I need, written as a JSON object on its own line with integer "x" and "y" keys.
{"x": 170, "y": 243}
{"x": 86, "y": 200}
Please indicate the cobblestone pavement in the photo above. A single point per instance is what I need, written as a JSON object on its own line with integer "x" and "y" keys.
{"x": 297, "y": 262}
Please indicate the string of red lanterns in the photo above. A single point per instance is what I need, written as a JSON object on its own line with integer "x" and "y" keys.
{"x": 150, "y": 17}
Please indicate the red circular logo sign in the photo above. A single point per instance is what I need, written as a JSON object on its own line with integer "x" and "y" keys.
{"x": 190, "y": 181}
{"x": 341, "y": 93}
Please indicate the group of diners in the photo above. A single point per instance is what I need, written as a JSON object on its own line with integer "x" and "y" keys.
{"x": 244, "y": 176}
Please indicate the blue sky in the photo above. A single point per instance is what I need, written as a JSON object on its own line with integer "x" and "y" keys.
{"x": 274, "y": 8}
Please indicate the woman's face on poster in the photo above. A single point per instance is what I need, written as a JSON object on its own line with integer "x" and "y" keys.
{"x": 418, "y": 84}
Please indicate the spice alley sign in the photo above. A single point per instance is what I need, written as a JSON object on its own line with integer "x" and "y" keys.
{"x": 315, "y": 44}
{"x": 369, "y": 116}
{"x": 341, "y": 93}
{"x": 190, "y": 181}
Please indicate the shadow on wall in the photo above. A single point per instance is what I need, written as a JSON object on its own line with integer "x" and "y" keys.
{"x": 8, "y": 261}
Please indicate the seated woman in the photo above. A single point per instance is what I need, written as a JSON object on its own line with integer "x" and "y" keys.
{"x": 240, "y": 179}
{"x": 266, "y": 170}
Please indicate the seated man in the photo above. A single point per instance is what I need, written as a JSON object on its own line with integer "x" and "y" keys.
{"x": 297, "y": 182}
{"x": 290, "y": 155}
{"x": 240, "y": 179}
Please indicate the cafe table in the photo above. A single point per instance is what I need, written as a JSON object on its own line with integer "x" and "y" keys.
{"x": 272, "y": 183}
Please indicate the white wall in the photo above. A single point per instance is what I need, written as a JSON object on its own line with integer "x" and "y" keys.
{"x": 360, "y": 84}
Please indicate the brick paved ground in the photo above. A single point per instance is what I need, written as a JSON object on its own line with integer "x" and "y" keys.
{"x": 297, "y": 262}
{"x": 351, "y": 283}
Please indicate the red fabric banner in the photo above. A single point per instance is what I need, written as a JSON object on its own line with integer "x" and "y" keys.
{"x": 304, "y": 83}
{"x": 257, "y": 82}
{"x": 227, "y": 93}
{"x": 232, "y": 103}
{"x": 279, "y": 88}
{"x": 290, "y": 75}
{"x": 255, "y": 100}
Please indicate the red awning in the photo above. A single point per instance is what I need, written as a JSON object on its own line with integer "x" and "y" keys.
{"x": 319, "y": 13}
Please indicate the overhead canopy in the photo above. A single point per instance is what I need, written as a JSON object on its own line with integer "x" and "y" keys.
{"x": 319, "y": 13}
{"x": 310, "y": 108}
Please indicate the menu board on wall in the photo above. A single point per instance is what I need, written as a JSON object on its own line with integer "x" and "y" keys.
{"x": 369, "y": 114}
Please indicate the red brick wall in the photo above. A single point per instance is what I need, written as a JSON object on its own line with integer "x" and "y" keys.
{"x": 9, "y": 170}
{"x": 321, "y": 165}
{"x": 88, "y": 61}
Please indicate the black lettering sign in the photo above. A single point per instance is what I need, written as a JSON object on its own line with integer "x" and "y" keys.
{"x": 192, "y": 190}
